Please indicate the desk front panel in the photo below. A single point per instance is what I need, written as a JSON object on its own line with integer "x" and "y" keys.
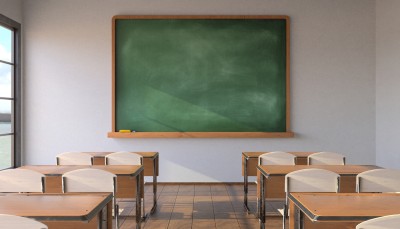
{"x": 252, "y": 160}
{"x": 275, "y": 181}
{"x": 126, "y": 177}
{"x": 150, "y": 159}
{"x": 126, "y": 186}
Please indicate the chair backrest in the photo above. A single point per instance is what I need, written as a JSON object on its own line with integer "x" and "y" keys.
{"x": 13, "y": 222}
{"x": 312, "y": 180}
{"x": 384, "y": 222}
{"x": 326, "y": 158}
{"x": 276, "y": 158}
{"x": 74, "y": 158}
{"x": 21, "y": 180}
{"x": 89, "y": 180}
{"x": 124, "y": 158}
{"x": 378, "y": 180}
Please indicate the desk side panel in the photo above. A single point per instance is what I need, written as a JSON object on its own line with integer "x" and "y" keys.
{"x": 251, "y": 166}
{"x": 126, "y": 186}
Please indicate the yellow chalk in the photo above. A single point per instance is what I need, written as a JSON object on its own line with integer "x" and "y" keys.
{"x": 124, "y": 131}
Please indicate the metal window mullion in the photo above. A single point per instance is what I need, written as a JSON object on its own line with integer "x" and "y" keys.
{"x": 6, "y": 134}
{"x": 6, "y": 62}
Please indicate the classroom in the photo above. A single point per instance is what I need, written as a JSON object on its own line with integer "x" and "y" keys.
{"x": 342, "y": 89}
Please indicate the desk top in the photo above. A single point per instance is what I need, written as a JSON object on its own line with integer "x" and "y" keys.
{"x": 346, "y": 206}
{"x": 144, "y": 154}
{"x": 343, "y": 170}
{"x": 55, "y": 207}
{"x": 256, "y": 154}
{"x": 59, "y": 170}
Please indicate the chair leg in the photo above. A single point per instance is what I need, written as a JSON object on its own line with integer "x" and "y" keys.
{"x": 116, "y": 215}
{"x": 285, "y": 213}
{"x": 144, "y": 215}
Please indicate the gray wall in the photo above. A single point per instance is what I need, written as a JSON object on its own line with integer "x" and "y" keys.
{"x": 68, "y": 83}
{"x": 388, "y": 83}
{"x": 11, "y": 9}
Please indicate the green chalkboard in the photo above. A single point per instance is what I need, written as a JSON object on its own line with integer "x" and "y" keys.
{"x": 201, "y": 74}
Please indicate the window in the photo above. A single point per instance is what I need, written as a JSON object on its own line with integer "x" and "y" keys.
{"x": 10, "y": 93}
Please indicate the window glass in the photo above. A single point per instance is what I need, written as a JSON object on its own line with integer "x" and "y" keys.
{"x": 5, "y": 44}
{"x": 5, "y": 149}
{"x": 5, "y": 116}
{"x": 5, "y": 80}
{"x": 10, "y": 101}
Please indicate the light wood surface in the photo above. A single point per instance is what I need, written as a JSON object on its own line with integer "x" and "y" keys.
{"x": 275, "y": 176}
{"x": 201, "y": 135}
{"x": 126, "y": 176}
{"x": 342, "y": 210}
{"x": 59, "y": 211}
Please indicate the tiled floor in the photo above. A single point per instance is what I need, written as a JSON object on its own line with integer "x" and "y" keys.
{"x": 208, "y": 206}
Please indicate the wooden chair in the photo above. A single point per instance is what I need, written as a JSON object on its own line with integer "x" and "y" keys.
{"x": 378, "y": 180}
{"x": 326, "y": 158}
{"x": 91, "y": 180}
{"x": 14, "y": 222}
{"x": 21, "y": 180}
{"x": 126, "y": 158}
{"x": 277, "y": 158}
{"x": 309, "y": 180}
{"x": 74, "y": 158}
{"x": 384, "y": 222}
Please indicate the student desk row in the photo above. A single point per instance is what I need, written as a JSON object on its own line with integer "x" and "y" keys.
{"x": 150, "y": 163}
{"x": 250, "y": 162}
{"x": 61, "y": 211}
{"x": 127, "y": 176}
{"x": 271, "y": 180}
{"x": 130, "y": 183}
{"x": 339, "y": 210}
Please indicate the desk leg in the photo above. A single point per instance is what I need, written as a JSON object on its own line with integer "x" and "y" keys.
{"x": 246, "y": 185}
{"x": 109, "y": 214}
{"x": 293, "y": 216}
{"x": 261, "y": 201}
{"x": 155, "y": 163}
{"x": 139, "y": 194}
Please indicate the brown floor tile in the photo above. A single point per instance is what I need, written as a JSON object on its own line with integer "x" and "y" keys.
{"x": 210, "y": 206}
{"x": 203, "y": 224}
{"x": 227, "y": 224}
{"x": 156, "y": 224}
{"x": 180, "y": 224}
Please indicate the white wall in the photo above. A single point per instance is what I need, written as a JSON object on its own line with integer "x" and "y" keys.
{"x": 388, "y": 83}
{"x": 68, "y": 83}
{"x": 11, "y": 9}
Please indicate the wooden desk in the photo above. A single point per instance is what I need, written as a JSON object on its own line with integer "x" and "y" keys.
{"x": 150, "y": 163}
{"x": 130, "y": 182}
{"x": 250, "y": 162}
{"x": 126, "y": 175}
{"x": 271, "y": 180}
{"x": 61, "y": 211}
{"x": 339, "y": 210}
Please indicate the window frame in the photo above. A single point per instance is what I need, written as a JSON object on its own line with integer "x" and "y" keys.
{"x": 16, "y": 98}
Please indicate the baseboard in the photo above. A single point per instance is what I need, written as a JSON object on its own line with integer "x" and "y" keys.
{"x": 197, "y": 183}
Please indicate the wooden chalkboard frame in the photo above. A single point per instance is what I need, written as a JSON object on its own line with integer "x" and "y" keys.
{"x": 286, "y": 134}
